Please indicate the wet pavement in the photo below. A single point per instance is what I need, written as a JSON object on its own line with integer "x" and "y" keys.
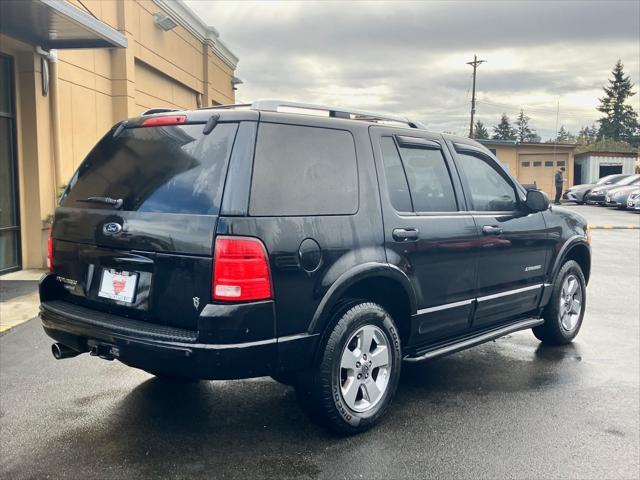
{"x": 507, "y": 409}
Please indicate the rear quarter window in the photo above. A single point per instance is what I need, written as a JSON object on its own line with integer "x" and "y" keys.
{"x": 301, "y": 170}
{"x": 170, "y": 169}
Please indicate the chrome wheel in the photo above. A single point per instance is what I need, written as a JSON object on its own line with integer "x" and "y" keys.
{"x": 365, "y": 366}
{"x": 570, "y": 302}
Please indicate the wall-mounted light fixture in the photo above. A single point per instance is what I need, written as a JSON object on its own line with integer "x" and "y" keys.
{"x": 235, "y": 81}
{"x": 164, "y": 21}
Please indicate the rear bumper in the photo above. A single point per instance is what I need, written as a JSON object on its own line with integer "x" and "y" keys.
{"x": 172, "y": 351}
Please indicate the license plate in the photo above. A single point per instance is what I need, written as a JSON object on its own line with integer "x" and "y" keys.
{"x": 118, "y": 285}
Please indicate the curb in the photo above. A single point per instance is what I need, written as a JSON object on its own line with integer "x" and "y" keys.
{"x": 614, "y": 227}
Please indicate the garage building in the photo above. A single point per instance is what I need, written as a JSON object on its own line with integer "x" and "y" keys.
{"x": 535, "y": 163}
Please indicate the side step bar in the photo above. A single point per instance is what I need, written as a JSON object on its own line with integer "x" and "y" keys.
{"x": 472, "y": 340}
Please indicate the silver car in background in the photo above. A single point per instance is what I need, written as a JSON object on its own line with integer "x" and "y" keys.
{"x": 633, "y": 202}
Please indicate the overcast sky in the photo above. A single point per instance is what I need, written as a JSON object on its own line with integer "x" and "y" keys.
{"x": 409, "y": 57}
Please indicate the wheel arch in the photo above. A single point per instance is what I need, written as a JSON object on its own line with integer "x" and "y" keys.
{"x": 576, "y": 249}
{"x": 384, "y": 284}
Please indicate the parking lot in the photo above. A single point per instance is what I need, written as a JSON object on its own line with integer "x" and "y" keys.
{"x": 510, "y": 408}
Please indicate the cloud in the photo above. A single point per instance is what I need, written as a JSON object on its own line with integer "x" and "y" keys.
{"x": 410, "y": 57}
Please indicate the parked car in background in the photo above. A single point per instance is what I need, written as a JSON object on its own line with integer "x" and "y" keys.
{"x": 617, "y": 197}
{"x": 633, "y": 202}
{"x": 598, "y": 195}
{"x": 578, "y": 192}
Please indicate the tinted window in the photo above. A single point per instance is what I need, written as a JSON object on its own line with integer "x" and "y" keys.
{"x": 489, "y": 190}
{"x": 303, "y": 171}
{"x": 394, "y": 174}
{"x": 429, "y": 181}
{"x": 172, "y": 169}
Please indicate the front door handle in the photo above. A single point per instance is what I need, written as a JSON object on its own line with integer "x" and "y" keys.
{"x": 491, "y": 230}
{"x": 405, "y": 234}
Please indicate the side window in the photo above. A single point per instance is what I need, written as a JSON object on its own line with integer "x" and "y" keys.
{"x": 396, "y": 179}
{"x": 303, "y": 171}
{"x": 490, "y": 191}
{"x": 429, "y": 180}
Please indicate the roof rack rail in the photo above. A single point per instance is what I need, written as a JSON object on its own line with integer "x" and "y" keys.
{"x": 271, "y": 105}
{"x": 151, "y": 111}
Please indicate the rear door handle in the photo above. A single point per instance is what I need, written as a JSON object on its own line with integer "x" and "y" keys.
{"x": 405, "y": 234}
{"x": 491, "y": 230}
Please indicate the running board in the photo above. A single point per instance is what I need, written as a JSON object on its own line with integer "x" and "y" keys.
{"x": 472, "y": 340}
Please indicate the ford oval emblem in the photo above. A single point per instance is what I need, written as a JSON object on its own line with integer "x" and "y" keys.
{"x": 111, "y": 228}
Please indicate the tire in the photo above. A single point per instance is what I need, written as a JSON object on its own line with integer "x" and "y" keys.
{"x": 332, "y": 392}
{"x": 562, "y": 316}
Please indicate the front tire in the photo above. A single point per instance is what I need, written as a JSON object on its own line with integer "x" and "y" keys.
{"x": 564, "y": 314}
{"x": 357, "y": 372}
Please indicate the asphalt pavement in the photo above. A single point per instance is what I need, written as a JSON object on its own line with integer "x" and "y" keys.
{"x": 508, "y": 409}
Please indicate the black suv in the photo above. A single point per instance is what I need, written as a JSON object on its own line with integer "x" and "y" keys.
{"x": 321, "y": 249}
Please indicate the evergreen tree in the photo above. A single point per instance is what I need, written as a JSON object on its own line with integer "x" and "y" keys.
{"x": 587, "y": 135}
{"x": 524, "y": 133}
{"x": 480, "y": 131}
{"x": 620, "y": 121}
{"x": 564, "y": 136}
{"x": 504, "y": 130}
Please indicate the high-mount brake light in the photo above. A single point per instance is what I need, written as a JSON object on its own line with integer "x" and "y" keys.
{"x": 164, "y": 120}
{"x": 241, "y": 270}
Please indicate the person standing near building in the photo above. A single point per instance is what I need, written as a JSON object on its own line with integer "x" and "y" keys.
{"x": 559, "y": 179}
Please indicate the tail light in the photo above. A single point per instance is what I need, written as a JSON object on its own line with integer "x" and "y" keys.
{"x": 50, "y": 251}
{"x": 241, "y": 270}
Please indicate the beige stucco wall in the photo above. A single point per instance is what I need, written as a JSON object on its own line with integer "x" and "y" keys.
{"x": 543, "y": 176}
{"x": 94, "y": 89}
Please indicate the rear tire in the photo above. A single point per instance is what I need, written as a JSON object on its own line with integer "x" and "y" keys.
{"x": 357, "y": 370}
{"x": 564, "y": 314}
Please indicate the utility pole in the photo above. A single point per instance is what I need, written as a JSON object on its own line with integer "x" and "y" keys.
{"x": 475, "y": 65}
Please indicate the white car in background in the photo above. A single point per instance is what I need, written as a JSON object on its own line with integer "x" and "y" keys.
{"x": 633, "y": 202}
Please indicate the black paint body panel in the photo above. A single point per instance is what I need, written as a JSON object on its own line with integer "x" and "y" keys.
{"x": 457, "y": 280}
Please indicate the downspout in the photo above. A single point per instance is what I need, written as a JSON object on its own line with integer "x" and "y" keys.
{"x": 54, "y": 110}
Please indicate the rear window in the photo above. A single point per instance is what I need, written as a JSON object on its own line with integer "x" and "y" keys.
{"x": 172, "y": 169}
{"x": 303, "y": 171}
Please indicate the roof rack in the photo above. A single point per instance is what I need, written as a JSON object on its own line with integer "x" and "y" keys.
{"x": 269, "y": 105}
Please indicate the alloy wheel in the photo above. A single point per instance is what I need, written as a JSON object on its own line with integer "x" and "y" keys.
{"x": 365, "y": 368}
{"x": 570, "y": 302}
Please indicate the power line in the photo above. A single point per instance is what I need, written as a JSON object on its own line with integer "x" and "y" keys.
{"x": 576, "y": 112}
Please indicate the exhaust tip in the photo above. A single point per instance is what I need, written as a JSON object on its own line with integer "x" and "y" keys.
{"x": 61, "y": 351}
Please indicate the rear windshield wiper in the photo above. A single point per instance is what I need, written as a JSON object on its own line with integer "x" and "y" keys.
{"x": 117, "y": 203}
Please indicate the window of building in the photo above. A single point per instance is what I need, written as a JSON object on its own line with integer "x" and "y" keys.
{"x": 560, "y": 163}
{"x": 317, "y": 166}
{"x": 429, "y": 181}
{"x": 548, "y": 164}
{"x": 526, "y": 164}
{"x": 537, "y": 164}
{"x": 490, "y": 191}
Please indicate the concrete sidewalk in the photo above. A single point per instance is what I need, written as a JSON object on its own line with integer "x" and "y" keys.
{"x": 18, "y": 297}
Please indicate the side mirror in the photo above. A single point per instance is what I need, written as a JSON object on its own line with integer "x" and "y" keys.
{"x": 537, "y": 201}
